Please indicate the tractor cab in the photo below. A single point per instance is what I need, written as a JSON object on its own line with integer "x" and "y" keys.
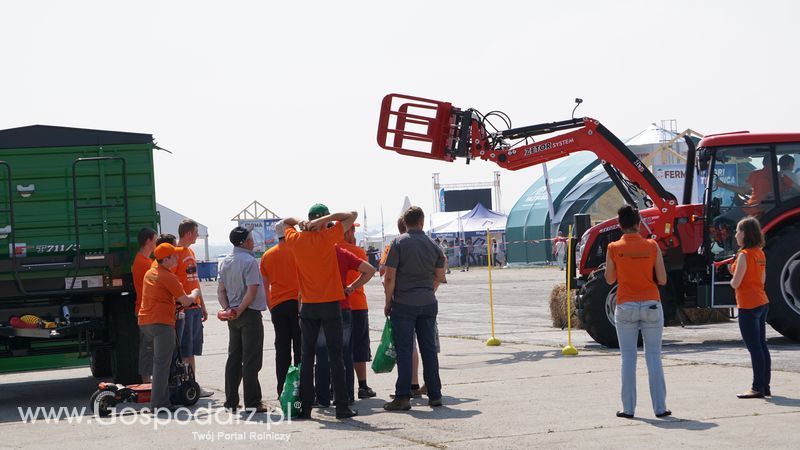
{"x": 757, "y": 178}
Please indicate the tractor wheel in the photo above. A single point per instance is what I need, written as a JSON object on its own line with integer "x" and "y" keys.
{"x": 669, "y": 297}
{"x": 599, "y": 300}
{"x": 783, "y": 282}
{"x": 188, "y": 393}
{"x": 125, "y": 339}
{"x": 102, "y": 401}
{"x": 100, "y": 363}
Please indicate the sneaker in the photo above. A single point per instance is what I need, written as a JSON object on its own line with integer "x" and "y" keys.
{"x": 750, "y": 394}
{"x": 346, "y": 413}
{"x": 366, "y": 392}
{"x": 305, "y": 414}
{"x": 414, "y": 394}
{"x": 398, "y": 404}
{"x": 205, "y": 393}
{"x": 423, "y": 390}
{"x": 434, "y": 403}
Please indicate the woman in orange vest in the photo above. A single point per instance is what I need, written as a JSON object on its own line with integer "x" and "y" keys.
{"x": 749, "y": 273}
{"x": 636, "y": 265}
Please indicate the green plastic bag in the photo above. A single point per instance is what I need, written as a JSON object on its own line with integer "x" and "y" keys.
{"x": 386, "y": 356}
{"x": 290, "y": 397}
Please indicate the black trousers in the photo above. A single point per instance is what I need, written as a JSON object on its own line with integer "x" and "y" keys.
{"x": 286, "y": 321}
{"x": 327, "y": 316}
{"x": 245, "y": 357}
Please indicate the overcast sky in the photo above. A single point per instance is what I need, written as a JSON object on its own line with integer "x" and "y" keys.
{"x": 278, "y": 101}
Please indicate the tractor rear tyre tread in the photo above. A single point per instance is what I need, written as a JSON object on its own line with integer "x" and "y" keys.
{"x": 779, "y": 250}
{"x": 100, "y": 363}
{"x": 595, "y": 319}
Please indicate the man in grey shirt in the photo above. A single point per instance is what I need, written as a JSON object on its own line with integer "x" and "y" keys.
{"x": 414, "y": 268}
{"x": 241, "y": 290}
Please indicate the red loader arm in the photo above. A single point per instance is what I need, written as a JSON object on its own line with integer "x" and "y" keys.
{"x": 414, "y": 126}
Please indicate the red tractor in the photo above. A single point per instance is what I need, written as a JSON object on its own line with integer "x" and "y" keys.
{"x": 740, "y": 174}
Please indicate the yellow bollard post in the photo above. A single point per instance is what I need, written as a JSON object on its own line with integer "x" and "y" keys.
{"x": 569, "y": 350}
{"x": 492, "y": 341}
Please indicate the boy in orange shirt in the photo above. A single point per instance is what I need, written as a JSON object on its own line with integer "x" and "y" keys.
{"x": 141, "y": 264}
{"x": 321, "y": 290}
{"x": 360, "y": 321}
{"x": 279, "y": 274}
{"x": 161, "y": 290}
{"x": 191, "y": 331}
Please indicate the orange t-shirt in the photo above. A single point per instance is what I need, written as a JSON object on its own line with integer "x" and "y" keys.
{"x": 187, "y": 273}
{"x": 385, "y": 254}
{"x": 358, "y": 299}
{"x": 141, "y": 264}
{"x": 750, "y": 293}
{"x": 635, "y": 260}
{"x": 161, "y": 288}
{"x": 317, "y": 266}
{"x": 761, "y": 183}
{"x": 278, "y": 266}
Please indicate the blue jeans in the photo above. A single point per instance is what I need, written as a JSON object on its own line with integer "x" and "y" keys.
{"x": 322, "y": 373}
{"x": 648, "y": 317}
{"x": 753, "y": 324}
{"x": 406, "y": 320}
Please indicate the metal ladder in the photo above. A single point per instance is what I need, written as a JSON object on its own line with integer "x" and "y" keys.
{"x": 104, "y": 204}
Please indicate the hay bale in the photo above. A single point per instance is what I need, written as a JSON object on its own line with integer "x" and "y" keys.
{"x": 699, "y": 316}
{"x": 558, "y": 307}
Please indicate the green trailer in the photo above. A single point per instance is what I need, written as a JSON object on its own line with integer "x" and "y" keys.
{"x": 71, "y": 204}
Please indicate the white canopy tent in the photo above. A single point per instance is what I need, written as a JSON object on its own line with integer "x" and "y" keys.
{"x": 479, "y": 219}
{"x": 170, "y": 219}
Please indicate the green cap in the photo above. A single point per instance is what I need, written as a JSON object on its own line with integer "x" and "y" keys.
{"x": 317, "y": 211}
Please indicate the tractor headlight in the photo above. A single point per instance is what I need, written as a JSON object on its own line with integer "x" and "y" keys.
{"x": 579, "y": 250}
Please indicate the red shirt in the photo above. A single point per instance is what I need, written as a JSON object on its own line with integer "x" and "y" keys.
{"x": 347, "y": 262}
{"x": 358, "y": 299}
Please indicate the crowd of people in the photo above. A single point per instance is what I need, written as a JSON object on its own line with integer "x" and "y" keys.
{"x": 312, "y": 284}
{"x": 460, "y": 253}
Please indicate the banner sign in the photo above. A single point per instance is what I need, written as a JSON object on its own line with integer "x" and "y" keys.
{"x": 263, "y": 233}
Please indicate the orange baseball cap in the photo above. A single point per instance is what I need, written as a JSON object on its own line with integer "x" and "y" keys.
{"x": 166, "y": 250}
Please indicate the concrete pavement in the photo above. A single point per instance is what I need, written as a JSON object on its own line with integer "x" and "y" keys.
{"x": 522, "y": 394}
